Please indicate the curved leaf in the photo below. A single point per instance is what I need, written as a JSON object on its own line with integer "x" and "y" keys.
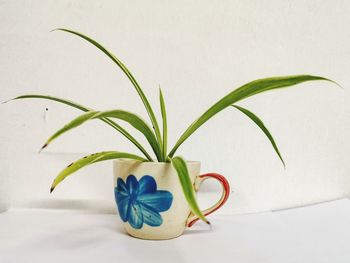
{"x": 90, "y": 159}
{"x": 137, "y": 123}
{"x": 128, "y": 74}
{"x": 245, "y": 91}
{"x": 73, "y": 124}
{"x": 261, "y": 125}
{"x": 126, "y": 116}
{"x": 187, "y": 186}
{"x": 165, "y": 125}
{"x": 85, "y": 109}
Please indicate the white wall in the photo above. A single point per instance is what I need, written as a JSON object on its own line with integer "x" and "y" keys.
{"x": 198, "y": 51}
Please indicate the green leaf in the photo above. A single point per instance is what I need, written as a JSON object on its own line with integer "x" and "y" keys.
{"x": 126, "y": 116}
{"x": 128, "y": 74}
{"x": 165, "y": 125}
{"x": 245, "y": 91}
{"x": 137, "y": 123}
{"x": 90, "y": 159}
{"x": 187, "y": 186}
{"x": 261, "y": 125}
{"x": 85, "y": 109}
{"x": 73, "y": 124}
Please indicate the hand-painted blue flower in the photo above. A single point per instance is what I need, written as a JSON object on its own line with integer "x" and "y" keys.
{"x": 140, "y": 202}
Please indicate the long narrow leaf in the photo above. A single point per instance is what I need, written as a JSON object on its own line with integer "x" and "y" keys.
{"x": 187, "y": 186}
{"x": 90, "y": 159}
{"x": 262, "y": 126}
{"x": 126, "y": 116}
{"x": 73, "y": 124}
{"x": 245, "y": 91}
{"x": 128, "y": 74}
{"x": 165, "y": 125}
{"x": 85, "y": 109}
{"x": 137, "y": 123}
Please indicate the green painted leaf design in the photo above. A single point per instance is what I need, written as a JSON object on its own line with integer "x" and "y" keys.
{"x": 85, "y": 109}
{"x": 128, "y": 74}
{"x": 90, "y": 159}
{"x": 165, "y": 125}
{"x": 245, "y": 91}
{"x": 187, "y": 186}
{"x": 126, "y": 116}
{"x": 262, "y": 126}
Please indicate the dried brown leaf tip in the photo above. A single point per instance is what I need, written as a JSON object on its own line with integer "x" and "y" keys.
{"x": 44, "y": 146}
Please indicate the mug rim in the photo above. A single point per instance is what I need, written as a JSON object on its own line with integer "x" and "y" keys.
{"x": 155, "y": 163}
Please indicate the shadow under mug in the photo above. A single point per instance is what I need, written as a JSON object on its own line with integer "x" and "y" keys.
{"x": 150, "y": 199}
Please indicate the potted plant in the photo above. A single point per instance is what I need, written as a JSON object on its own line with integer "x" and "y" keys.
{"x": 155, "y": 193}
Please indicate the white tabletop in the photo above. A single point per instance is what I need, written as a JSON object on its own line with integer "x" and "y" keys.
{"x": 318, "y": 233}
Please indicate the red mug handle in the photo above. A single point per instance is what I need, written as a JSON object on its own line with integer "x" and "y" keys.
{"x": 225, "y": 193}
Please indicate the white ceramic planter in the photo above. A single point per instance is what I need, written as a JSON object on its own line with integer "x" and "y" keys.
{"x": 150, "y": 200}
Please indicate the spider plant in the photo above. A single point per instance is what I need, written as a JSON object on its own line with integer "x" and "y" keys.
{"x": 156, "y": 137}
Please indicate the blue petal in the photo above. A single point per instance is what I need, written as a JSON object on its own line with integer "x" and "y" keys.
{"x": 119, "y": 197}
{"x": 135, "y": 216}
{"x": 121, "y": 187}
{"x": 132, "y": 185}
{"x": 123, "y": 203}
{"x": 147, "y": 184}
{"x": 150, "y": 216}
{"x": 159, "y": 201}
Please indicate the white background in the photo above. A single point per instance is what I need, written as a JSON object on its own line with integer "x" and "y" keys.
{"x": 316, "y": 234}
{"x": 198, "y": 51}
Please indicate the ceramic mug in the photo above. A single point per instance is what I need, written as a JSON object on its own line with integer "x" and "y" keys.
{"x": 150, "y": 199}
